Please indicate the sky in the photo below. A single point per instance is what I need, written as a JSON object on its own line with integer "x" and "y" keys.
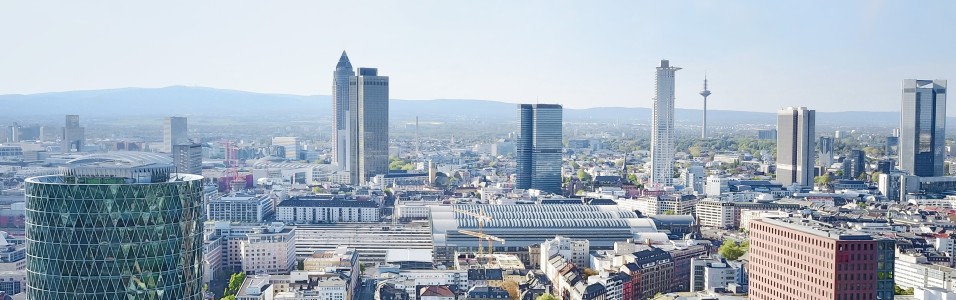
{"x": 757, "y": 55}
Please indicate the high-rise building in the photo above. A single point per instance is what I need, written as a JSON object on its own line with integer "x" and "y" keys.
{"x": 340, "y": 111}
{"x": 174, "y": 133}
{"x": 826, "y": 153}
{"x": 188, "y": 158}
{"x": 290, "y": 144}
{"x": 857, "y": 164}
{"x": 73, "y": 135}
{"x": 892, "y": 145}
{"x": 767, "y": 134}
{"x": 360, "y": 121}
{"x": 922, "y": 142}
{"x": 806, "y": 259}
{"x": 795, "y": 149}
{"x": 539, "y": 147}
{"x": 115, "y": 226}
{"x": 662, "y": 128}
{"x": 368, "y": 125}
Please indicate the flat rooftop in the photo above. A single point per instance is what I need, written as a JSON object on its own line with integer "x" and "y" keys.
{"x": 818, "y": 228}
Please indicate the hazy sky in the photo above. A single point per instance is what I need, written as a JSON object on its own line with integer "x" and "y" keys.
{"x": 758, "y": 55}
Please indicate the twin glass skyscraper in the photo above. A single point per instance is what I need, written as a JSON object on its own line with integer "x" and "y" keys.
{"x": 359, "y": 121}
{"x": 539, "y": 147}
{"x": 922, "y": 142}
{"x": 115, "y": 226}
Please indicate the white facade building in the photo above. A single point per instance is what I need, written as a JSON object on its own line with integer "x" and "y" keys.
{"x": 269, "y": 250}
{"x": 913, "y": 271}
{"x": 327, "y": 211}
{"x": 574, "y": 250}
{"x": 715, "y": 213}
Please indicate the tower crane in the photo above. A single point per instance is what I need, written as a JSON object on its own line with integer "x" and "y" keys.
{"x": 481, "y": 217}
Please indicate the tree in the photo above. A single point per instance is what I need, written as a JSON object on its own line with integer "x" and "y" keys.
{"x": 588, "y": 272}
{"x": 583, "y": 176}
{"x": 235, "y": 282}
{"x": 897, "y": 290}
{"x": 230, "y": 297}
{"x": 547, "y": 297}
{"x": 512, "y": 287}
{"x": 731, "y": 250}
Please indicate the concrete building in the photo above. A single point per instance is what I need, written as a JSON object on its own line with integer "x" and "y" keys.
{"x": 804, "y": 259}
{"x": 795, "y": 146}
{"x": 290, "y": 144}
{"x": 767, "y": 134}
{"x": 712, "y": 274}
{"x": 239, "y": 208}
{"x": 717, "y": 186}
{"x": 175, "y": 132}
{"x": 915, "y": 271}
{"x": 662, "y": 128}
{"x": 343, "y": 261}
{"x": 256, "y": 288}
{"x": 269, "y": 250}
{"x": 74, "y": 136}
{"x": 694, "y": 179}
{"x": 539, "y": 147}
{"x": 574, "y": 250}
{"x": 370, "y": 241}
{"x": 716, "y": 213}
{"x": 922, "y": 142}
{"x": 314, "y": 211}
{"x": 188, "y": 158}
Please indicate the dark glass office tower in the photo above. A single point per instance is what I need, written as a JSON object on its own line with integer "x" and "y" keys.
{"x": 539, "y": 147}
{"x": 922, "y": 142}
{"x": 115, "y": 226}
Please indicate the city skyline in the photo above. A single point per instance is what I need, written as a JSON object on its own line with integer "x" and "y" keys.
{"x": 849, "y": 40}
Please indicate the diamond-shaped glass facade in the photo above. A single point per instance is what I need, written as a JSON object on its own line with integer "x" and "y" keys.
{"x": 114, "y": 241}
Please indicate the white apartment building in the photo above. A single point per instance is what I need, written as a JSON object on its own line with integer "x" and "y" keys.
{"x": 321, "y": 211}
{"x": 716, "y": 185}
{"x": 269, "y": 250}
{"x": 710, "y": 273}
{"x": 913, "y": 271}
{"x": 575, "y": 251}
{"x": 715, "y": 213}
{"x": 239, "y": 208}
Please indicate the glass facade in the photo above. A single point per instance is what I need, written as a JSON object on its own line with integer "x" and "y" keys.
{"x": 114, "y": 240}
{"x": 922, "y": 142}
{"x": 539, "y": 147}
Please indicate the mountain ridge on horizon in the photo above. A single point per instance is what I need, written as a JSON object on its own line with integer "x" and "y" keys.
{"x": 214, "y": 101}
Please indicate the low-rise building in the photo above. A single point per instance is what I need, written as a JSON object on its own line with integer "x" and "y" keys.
{"x": 715, "y": 213}
{"x": 239, "y": 208}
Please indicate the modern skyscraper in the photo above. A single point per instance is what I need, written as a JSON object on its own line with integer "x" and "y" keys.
{"x": 808, "y": 260}
{"x": 705, "y": 93}
{"x": 174, "y": 133}
{"x": 539, "y": 147}
{"x": 360, "y": 121}
{"x": 856, "y": 162}
{"x": 73, "y": 135}
{"x": 662, "y": 128}
{"x": 922, "y": 142}
{"x": 826, "y": 153}
{"x": 795, "y": 150}
{"x": 188, "y": 158}
{"x": 340, "y": 111}
{"x": 120, "y": 225}
{"x": 368, "y": 125}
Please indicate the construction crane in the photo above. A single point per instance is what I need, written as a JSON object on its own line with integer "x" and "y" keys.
{"x": 481, "y": 217}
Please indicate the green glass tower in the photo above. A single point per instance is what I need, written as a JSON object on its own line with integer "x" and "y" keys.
{"x": 114, "y": 226}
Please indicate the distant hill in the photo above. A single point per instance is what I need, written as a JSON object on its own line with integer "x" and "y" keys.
{"x": 182, "y": 100}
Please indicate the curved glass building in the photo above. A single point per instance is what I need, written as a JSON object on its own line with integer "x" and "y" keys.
{"x": 114, "y": 226}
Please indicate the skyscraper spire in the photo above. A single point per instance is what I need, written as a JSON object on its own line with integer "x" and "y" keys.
{"x": 705, "y": 93}
{"x": 344, "y": 62}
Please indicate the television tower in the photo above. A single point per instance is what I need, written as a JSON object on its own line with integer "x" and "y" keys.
{"x": 705, "y": 93}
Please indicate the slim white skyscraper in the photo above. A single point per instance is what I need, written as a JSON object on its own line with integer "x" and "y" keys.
{"x": 662, "y": 128}
{"x": 796, "y": 127}
{"x": 174, "y": 133}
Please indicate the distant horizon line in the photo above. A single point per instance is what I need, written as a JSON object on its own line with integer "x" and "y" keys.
{"x": 435, "y": 99}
